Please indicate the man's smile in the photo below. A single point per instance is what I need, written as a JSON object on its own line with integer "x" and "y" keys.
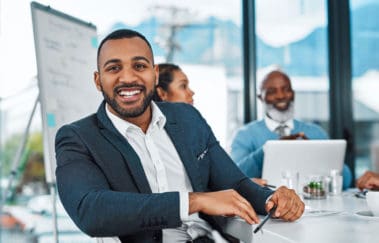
{"x": 282, "y": 105}
{"x": 130, "y": 94}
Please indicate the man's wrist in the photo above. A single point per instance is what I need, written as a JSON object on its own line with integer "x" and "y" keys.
{"x": 193, "y": 198}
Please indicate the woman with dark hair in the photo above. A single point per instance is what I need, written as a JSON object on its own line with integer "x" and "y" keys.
{"x": 173, "y": 85}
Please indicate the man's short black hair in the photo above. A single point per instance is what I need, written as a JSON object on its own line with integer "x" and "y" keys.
{"x": 120, "y": 34}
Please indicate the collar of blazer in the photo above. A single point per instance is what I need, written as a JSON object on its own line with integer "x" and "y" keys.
{"x": 131, "y": 158}
{"x": 176, "y": 132}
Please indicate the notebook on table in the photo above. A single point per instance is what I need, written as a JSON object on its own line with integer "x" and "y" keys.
{"x": 305, "y": 157}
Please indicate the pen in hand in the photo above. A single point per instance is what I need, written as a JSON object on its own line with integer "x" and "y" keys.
{"x": 361, "y": 194}
{"x": 269, "y": 215}
{"x": 270, "y": 186}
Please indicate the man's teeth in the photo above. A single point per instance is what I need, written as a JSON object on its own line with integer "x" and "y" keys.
{"x": 130, "y": 93}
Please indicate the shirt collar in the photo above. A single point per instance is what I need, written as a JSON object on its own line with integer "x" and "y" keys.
{"x": 272, "y": 125}
{"x": 158, "y": 119}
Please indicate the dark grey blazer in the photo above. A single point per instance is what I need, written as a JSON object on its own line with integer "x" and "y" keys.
{"x": 105, "y": 191}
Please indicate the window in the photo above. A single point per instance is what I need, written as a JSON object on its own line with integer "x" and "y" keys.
{"x": 292, "y": 36}
{"x": 365, "y": 63}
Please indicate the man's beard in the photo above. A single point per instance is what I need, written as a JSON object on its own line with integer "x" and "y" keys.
{"x": 277, "y": 115}
{"x": 129, "y": 113}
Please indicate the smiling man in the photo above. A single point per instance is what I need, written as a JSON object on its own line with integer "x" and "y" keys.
{"x": 278, "y": 97}
{"x": 145, "y": 172}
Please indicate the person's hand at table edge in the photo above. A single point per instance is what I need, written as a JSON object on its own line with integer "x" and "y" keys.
{"x": 289, "y": 206}
{"x": 295, "y": 136}
{"x": 222, "y": 203}
{"x": 369, "y": 180}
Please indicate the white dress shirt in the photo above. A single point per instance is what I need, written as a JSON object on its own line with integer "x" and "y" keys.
{"x": 273, "y": 125}
{"x": 164, "y": 171}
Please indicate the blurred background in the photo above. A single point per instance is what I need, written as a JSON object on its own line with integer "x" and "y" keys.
{"x": 328, "y": 48}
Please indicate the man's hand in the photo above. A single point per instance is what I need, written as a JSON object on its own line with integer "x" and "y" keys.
{"x": 299, "y": 135}
{"x": 368, "y": 180}
{"x": 222, "y": 203}
{"x": 289, "y": 205}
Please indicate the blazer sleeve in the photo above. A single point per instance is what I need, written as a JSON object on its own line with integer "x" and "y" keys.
{"x": 97, "y": 209}
{"x": 225, "y": 174}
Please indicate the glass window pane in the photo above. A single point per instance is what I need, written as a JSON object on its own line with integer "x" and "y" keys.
{"x": 365, "y": 61}
{"x": 292, "y": 36}
{"x": 206, "y": 43}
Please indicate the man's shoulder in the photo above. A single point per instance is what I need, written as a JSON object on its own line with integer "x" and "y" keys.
{"x": 253, "y": 125}
{"x": 309, "y": 125}
{"x": 313, "y": 130}
{"x": 165, "y": 106}
{"x": 86, "y": 123}
{"x": 90, "y": 119}
{"x": 177, "y": 110}
{"x": 251, "y": 131}
{"x": 86, "y": 128}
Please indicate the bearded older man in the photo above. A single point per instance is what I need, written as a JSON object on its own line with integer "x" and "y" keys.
{"x": 278, "y": 98}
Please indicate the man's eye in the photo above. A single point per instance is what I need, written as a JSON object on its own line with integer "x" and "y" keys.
{"x": 270, "y": 92}
{"x": 113, "y": 69}
{"x": 288, "y": 90}
{"x": 140, "y": 66}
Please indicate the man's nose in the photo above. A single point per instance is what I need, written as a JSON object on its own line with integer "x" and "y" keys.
{"x": 127, "y": 75}
{"x": 192, "y": 93}
{"x": 280, "y": 94}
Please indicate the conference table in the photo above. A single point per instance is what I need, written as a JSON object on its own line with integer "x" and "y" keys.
{"x": 342, "y": 218}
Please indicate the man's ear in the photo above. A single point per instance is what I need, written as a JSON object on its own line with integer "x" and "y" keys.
{"x": 156, "y": 70}
{"x": 96, "y": 79}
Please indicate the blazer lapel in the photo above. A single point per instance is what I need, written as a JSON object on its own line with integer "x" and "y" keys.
{"x": 178, "y": 137}
{"x": 131, "y": 158}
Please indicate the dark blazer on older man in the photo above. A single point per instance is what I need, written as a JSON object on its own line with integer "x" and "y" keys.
{"x": 103, "y": 187}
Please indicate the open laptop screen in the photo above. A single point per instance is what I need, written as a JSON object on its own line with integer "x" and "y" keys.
{"x": 306, "y": 157}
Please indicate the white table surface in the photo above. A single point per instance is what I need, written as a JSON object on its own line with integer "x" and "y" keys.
{"x": 339, "y": 223}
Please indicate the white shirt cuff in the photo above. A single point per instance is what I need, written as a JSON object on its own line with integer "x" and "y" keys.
{"x": 184, "y": 205}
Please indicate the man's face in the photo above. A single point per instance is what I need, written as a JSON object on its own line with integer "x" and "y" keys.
{"x": 277, "y": 91}
{"x": 126, "y": 76}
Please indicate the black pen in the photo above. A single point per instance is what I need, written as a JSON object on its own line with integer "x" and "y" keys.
{"x": 264, "y": 220}
{"x": 361, "y": 194}
{"x": 268, "y": 185}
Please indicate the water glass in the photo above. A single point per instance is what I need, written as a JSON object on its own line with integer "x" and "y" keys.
{"x": 290, "y": 179}
{"x": 336, "y": 181}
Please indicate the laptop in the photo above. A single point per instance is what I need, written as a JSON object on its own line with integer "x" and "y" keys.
{"x": 301, "y": 158}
